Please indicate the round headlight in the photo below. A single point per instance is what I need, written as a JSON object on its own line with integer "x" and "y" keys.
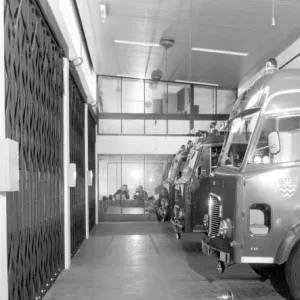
{"x": 205, "y": 220}
{"x": 225, "y": 228}
{"x": 257, "y": 160}
{"x": 266, "y": 160}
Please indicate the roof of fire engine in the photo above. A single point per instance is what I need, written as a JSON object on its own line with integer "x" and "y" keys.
{"x": 273, "y": 92}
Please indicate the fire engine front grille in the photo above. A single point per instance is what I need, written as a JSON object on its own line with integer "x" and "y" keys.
{"x": 214, "y": 215}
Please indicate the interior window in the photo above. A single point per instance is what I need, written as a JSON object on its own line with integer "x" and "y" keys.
{"x": 260, "y": 219}
{"x": 237, "y": 140}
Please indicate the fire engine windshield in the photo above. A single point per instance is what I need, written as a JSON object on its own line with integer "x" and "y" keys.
{"x": 237, "y": 140}
{"x": 177, "y": 162}
{"x": 189, "y": 166}
{"x": 287, "y": 128}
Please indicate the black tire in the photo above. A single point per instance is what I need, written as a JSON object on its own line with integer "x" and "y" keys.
{"x": 278, "y": 281}
{"x": 158, "y": 217}
{"x": 178, "y": 235}
{"x": 292, "y": 272}
{"x": 263, "y": 270}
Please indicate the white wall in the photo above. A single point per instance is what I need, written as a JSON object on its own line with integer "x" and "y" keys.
{"x": 282, "y": 59}
{"x": 140, "y": 144}
{"x": 65, "y": 16}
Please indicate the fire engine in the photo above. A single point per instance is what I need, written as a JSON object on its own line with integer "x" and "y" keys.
{"x": 254, "y": 203}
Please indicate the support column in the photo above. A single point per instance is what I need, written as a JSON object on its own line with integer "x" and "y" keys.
{"x": 3, "y": 216}
{"x": 86, "y": 163}
{"x": 67, "y": 207}
{"x": 96, "y": 179}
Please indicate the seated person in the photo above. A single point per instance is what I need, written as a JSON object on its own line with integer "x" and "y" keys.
{"x": 140, "y": 194}
{"x": 118, "y": 195}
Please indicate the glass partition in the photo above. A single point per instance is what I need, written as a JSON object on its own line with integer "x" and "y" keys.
{"x": 110, "y": 94}
{"x": 169, "y": 101}
{"x": 132, "y": 96}
{"x": 203, "y": 125}
{"x": 130, "y": 184}
{"x": 178, "y": 127}
{"x": 109, "y": 126}
{"x": 110, "y": 183}
{"x": 225, "y": 100}
{"x": 178, "y": 98}
{"x": 153, "y": 181}
{"x": 204, "y": 100}
{"x": 133, "y": 127}
{"x": 133, "y": 177}
{"x": 156, "y": 126}
{"x": 155, "y": 97}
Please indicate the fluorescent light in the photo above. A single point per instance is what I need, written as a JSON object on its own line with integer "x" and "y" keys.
{"x": 197, "y": 82}
{"x": 220, "y": 51}
{"x": 137, "y": 43}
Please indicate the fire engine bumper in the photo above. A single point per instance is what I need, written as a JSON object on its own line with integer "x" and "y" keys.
{"x": 211, "y": 251}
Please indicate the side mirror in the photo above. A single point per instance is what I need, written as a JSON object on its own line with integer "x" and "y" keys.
{"x": 274, "y": 142}
{"x": 199, "y": 170}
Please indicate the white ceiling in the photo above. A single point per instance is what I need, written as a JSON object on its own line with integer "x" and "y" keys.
{"x": 236, "y": 25}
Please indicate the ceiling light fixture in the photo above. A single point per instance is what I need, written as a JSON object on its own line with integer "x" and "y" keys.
{"x": 136, "y": 43}
{"x": 103, "y": 12}
{"x": 220, "y": 51}
{"x": 197, "y": 82}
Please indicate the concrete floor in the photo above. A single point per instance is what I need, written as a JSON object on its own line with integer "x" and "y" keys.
{"x": 143, "y": 260}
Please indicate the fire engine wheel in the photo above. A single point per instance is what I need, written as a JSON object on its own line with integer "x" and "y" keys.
{"x": 178, "y": 235}
{"x": 292, "y": 272}
{"x": 159, "y": 218}
{"x": 263, "y": 270}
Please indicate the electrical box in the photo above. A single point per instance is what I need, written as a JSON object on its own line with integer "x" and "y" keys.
{"x": 9, "y": 166}
{"x": 72, "y": 175}
{"x": 89, "y": 177}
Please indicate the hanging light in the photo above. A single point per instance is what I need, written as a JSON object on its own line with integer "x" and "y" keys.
{"x": 166, "y": 43}
{"x": 273, "y": 14}
{"x": 156, "y": 75}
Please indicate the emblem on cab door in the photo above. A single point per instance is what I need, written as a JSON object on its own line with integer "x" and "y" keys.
{"x": 288, "y": 186}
